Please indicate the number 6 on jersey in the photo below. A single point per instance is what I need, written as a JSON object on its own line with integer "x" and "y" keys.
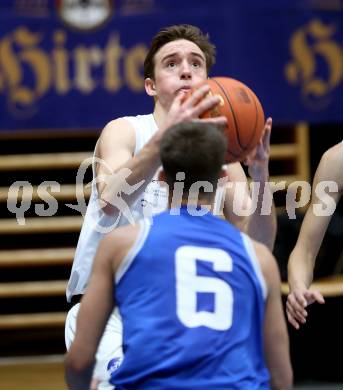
{"x": 188, "y": 284}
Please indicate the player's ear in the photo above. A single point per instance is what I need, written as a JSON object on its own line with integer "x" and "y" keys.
{"x": 149, "y": 85}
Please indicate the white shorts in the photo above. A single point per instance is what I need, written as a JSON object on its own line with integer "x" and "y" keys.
{"x": 109, "y": 353}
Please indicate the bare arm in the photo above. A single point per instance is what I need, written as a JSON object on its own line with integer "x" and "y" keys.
{"x": 96, "y": 307}
{"x": 302, "y": 259}
{"x": 248, "y": 215}
{"x": 276, "y": 343}
{"x": 237, "y": 203}
{"x": 115, "y": 153}
{"x": 117, "y": 143}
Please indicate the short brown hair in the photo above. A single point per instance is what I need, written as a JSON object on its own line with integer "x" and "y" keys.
{"x": 194, "y": 148}
{"x": 173, "y": 33}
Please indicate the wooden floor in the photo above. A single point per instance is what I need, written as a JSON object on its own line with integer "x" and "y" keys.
{"x": 43, "y": 373}
{"x": 46, "y": 373}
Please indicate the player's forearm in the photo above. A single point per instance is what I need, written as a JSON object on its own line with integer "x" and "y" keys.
{"x": 300, "y": 269}
{"x": 262, "y": 223}
{"x": 78, "y": 378}
{"x": 282, "y": 380}
{"x": 278, "y": 358}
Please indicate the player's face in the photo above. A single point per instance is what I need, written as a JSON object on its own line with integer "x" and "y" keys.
{"x": 179, "y": 66}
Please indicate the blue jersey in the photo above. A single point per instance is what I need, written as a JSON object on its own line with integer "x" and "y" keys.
{"x": 192, "y": 300}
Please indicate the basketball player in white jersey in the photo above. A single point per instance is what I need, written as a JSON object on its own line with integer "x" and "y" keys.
{"x": 302, "y": 259}
{"x": 179, "y": 58}
{"x": 200, "y": 301}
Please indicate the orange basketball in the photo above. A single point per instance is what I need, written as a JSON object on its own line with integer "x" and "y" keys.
{"x": 244, "y": 113}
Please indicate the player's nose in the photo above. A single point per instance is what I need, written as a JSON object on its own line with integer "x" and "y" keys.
{"x": 185, "y": 71}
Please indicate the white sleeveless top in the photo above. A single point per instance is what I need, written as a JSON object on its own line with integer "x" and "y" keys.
{"x": 96, "y": 223}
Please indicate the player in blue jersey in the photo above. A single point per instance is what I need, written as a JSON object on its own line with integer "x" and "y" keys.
{"x": 126, "y": 161}
{"x": 200, "y": 301}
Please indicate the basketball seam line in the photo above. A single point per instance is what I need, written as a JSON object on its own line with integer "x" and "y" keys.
{"x": 233, "y": 115}
{"x": 256, "y": 120}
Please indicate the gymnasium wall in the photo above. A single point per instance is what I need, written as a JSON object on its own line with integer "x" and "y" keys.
{"x": 78, "y": 66}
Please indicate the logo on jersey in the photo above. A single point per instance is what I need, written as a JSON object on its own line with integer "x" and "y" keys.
{"x": 114, "y": 364}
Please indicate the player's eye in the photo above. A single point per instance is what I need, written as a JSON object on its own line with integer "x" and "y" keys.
{"x": 171, "y": 64}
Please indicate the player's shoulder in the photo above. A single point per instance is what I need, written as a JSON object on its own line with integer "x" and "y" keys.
{"x": 334, "y": 155}
{"x": 117, "y": 126}
{"x": 261, "y": 250}
{"x": 266, "y": 260}
{"x": 117, "y": 133}
{"x": 123, "y": 235}
{"x": 117, "y": 243}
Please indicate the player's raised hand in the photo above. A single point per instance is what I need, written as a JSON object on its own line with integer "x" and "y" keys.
{"x": 258, "y": 159}
{"x": 296, "y": 304}
{"x": 186, "y": 108}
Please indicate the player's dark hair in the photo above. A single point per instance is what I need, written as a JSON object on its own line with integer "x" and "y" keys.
{"x": 173, "y": 33}
{"x": 197, "y": 149}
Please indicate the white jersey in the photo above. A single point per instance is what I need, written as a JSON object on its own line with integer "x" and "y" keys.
{"x": 96, "y": 223}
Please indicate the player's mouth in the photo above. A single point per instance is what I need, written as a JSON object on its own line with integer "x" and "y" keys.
{"x": 184, "y": 89}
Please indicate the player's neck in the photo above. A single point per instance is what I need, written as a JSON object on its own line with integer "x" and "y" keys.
{"x": 160, "y": 114}
{"x": 195, "y": 201}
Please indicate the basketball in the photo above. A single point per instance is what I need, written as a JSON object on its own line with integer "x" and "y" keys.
{"x": 244, "y": 113}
